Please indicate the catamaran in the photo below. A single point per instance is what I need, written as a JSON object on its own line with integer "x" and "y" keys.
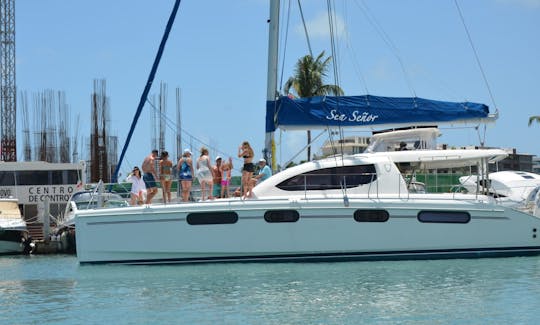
{"x": 356, "y": 207}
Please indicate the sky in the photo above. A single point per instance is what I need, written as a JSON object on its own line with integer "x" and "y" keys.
{"x": 216, "y": 55}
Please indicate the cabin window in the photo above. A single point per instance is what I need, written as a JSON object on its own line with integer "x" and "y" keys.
{"x": 281, "y": 216}
{"x": 212, "y": 218}
{"x": 72, "y": 177}
{"x": 444, "y": 216}
{"x": 7, "y": 179}
{"x": 331, "y": 178}
{"x": 33, "y": 177}
{"x": 371, "y": 215}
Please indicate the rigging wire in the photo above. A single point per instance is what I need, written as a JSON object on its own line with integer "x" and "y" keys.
{"x": 387, "y": 40}
{"x": 483, "y": 139}
{"x": 286, "y": 32}
{"x": 305, "y": 28}
{"x": 475, "y": 54}
{"x": 172, "y": 126}
{"x": 331, "y": 22}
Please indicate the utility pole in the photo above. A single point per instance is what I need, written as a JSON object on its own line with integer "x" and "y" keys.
{"x": 8, "y": 91}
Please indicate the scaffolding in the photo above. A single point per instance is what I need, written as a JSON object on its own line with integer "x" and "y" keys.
{"x": 8, "y": 100}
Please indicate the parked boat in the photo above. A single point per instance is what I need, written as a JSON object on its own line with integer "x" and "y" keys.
{"x": 82, "y": 200}
{"x": 13, "y": 233}
{"x": 355, "y": 207}
{"x": 342, "y": 208}
{"x": 510, "y": 187}
{"x": 36, "y": 182}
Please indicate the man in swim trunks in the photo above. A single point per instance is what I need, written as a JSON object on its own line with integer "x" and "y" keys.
{"x": 217, "y": 177}
{"x": 149, "y": 176}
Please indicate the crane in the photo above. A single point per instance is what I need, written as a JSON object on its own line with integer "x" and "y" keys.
{"x": 8, "y": 90}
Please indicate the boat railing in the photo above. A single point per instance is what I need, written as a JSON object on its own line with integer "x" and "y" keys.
{"x": 307, "y": 185}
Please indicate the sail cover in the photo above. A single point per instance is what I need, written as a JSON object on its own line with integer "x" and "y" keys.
{"x": 366, "y": 111}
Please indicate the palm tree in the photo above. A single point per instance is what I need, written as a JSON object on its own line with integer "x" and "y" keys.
{"x": 533, "y": 119}
{"x": 307, "y": 81}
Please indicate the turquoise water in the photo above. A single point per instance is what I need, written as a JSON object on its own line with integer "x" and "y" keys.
{"x": 56, "y": 290}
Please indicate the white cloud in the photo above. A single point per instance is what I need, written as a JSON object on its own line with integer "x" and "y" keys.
{"x": 318, "y": 27}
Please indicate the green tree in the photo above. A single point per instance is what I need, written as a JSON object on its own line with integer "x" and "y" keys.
{"x": 533, "y": 119}
{"x": 308, "y": 81}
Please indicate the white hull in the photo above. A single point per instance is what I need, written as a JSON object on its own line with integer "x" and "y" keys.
{"x": 326, "y": 230}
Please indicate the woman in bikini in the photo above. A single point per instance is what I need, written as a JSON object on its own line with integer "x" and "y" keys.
{"x": 165, "y": 165}
{"x": 245, "y": 151}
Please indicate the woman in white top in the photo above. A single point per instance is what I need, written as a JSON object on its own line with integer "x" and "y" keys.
{"x": 138, "y": 189}
{"x": 205, "y": 174}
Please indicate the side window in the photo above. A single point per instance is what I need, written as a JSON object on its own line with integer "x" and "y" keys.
{"x": 281, "y": 216}
{"x": 72, "y": 177}
{"x": 444, "y": 216}
{"x": 331, "y": 178}
{"x": 36, "y": 177}
{"x": 57, "y": 177}
{"x": 371, "y": 215}
{"x": 7, "y": 178}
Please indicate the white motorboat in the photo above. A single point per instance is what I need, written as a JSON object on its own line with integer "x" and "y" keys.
{"x": 510, "y": 187}
{"x": 83, "y": 200}
{"x": 341, "y": 208}
{"x": 13, "y": 231}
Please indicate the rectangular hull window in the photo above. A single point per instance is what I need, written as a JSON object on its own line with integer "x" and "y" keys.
{"x": 444, "y": 216}
{"x": 212, "y": 218}
{"x": 281, "y": 216}
{"x": 371, "y": 215}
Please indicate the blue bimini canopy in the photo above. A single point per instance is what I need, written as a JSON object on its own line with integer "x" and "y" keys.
{"x": 367, "y": 111}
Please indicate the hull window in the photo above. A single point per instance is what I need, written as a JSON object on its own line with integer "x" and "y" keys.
{"x": 212, "y": 218}
{"x": 334, "y": 178}
{"x": 444, "y": 216}
{"x": 281, "y": 216}
{"x": 371, "y": 215}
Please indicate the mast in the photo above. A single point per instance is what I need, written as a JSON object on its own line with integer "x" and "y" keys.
{"x": 271, "y": 93}
{"x": 149, "y": 82}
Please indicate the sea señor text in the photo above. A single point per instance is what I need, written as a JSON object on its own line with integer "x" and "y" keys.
{"x": 355, "y": 116}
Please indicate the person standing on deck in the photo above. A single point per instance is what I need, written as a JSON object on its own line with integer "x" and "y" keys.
{"x": 218, "y": 174}
{"x": 246, "y": 152}
{"x": 149, "y": 175}
{"x": 226, "y": 169}
{"x": 165, "y": 166}
{"x": 205, "y": 175}
{"x": 185, "y": 174}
